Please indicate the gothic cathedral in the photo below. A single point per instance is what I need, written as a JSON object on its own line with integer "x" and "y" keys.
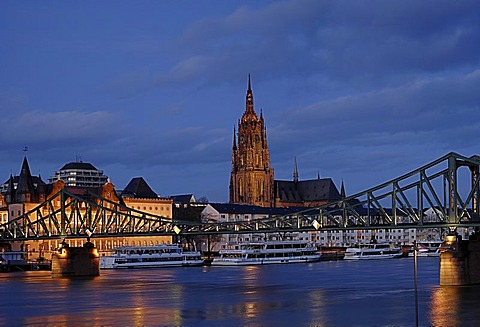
{"x": 251, "y": 180}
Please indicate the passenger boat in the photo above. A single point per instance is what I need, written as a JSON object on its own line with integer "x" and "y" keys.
{"x": 373, "y": 251}
{"x": 427, "y": 249}
{"x": 157, "y": 256}
{"x": 270, "y": 252}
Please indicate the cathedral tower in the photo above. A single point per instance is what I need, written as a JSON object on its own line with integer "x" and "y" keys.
{"x": 251, "y": 180}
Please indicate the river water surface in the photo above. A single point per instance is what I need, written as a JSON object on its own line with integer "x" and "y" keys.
{"x": 334, "y": 293}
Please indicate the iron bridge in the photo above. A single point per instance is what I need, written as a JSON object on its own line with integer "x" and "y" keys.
{"x": 441, "y": 194}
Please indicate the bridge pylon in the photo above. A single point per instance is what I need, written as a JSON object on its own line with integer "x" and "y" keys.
{"x": 76, "y": 261}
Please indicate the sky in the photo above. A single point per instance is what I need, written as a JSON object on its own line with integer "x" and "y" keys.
{"x": 357, "y": 91}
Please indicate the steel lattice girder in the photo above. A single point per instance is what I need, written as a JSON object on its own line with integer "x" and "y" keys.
{"x": 389, "y": 205}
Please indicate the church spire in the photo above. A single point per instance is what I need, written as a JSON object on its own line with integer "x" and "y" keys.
{"x": 234, "y": 138}
{"x": 295, "y": 171}
{"x": 342, "y": 191}
{"x": 249, "y": 100}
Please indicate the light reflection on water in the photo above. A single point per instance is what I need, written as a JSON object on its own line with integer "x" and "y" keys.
{"x": 320, "y": 294}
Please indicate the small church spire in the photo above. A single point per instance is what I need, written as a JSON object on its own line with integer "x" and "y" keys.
{"x": 342, "y": 191}
{"x": 249, "y": 100}
{"x": 234, "y": 138}
{"x": 295, "y": 171}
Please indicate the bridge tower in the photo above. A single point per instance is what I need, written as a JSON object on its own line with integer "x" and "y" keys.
{"x": 251, "y": 179}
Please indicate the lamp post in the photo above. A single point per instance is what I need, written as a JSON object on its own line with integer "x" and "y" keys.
{"x": 415, "y": 280}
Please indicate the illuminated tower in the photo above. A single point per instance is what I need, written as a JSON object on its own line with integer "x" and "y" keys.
{"x": 251, "y": 180}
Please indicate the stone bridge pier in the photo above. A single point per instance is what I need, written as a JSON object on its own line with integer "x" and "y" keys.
{"x": 76, "y": 261}
{"x": 459, "y": 262}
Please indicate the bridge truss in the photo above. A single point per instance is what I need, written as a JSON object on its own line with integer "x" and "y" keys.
{"x": 437, "y": 195}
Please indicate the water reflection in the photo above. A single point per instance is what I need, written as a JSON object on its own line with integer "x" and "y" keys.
{"x": 123, "y": 298}
{"x": 316, "y": 305}
{"x": 444, "y": 306}
{"x": 453, "y": 305}
{"x": 333, "y": 294}
{"x": 251, "y": 280}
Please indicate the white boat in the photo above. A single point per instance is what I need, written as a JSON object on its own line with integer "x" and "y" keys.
{"x": 427, "y": 249}
{"x": 373, "y": 251}
{"x": 270, "y": 252}
{"x": 155, "y": 256}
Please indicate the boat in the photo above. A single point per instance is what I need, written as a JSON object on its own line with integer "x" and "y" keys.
{"x": 427, "y": 249}
{"x": 155, "y": 256}
{"x": 373, "y": 251}
{"x": 269, "y": 252}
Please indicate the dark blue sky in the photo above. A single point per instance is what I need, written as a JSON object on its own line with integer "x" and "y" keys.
{"x": 360, "y": 91}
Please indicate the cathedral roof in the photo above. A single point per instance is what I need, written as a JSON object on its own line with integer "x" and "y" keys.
{"x": 231, "y": 208}
{"x": 307, "y": 191}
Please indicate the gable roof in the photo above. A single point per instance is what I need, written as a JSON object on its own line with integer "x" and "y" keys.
{"x": 321, "y": 189}
{"x": 182, "y": 198}
{"x": 138, "y": 188}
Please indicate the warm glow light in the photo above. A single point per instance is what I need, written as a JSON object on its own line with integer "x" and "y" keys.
{"x": 450, "y": 238}
{"x": 444, "y": 307}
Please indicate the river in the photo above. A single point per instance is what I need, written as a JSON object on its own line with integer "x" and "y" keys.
{"x": 332, "y": 293}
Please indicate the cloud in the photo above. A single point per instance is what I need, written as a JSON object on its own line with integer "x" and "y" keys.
{"x": 45, "y": 129}
{"x": 344, "y": 41}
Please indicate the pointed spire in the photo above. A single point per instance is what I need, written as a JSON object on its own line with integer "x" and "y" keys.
{"x": 25, "y": 184}
{"x": 295, "y": 171}
{"x": 234, "y": 138}
{"x": 249, "y": 98}
{"x": 318, "y": 174}
{"x": 342, "y": 191}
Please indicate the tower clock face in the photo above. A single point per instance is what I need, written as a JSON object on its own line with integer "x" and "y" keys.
{"x": 241, "y": 139}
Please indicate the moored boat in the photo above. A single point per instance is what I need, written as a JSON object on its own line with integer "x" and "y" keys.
{"x": 373, "y": 251}
{"x": 427, "y": 249}
{"x": 269, "y": 252}
{"x": 155, "y": 256}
